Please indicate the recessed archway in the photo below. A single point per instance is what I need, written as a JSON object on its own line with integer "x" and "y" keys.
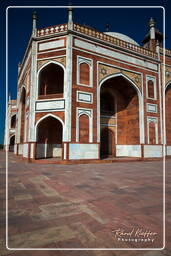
{"x": 13, "y": 121}
{"x": 119, "y": 113}
{"x": 22, "y": 114}
{"x": 49, "y": 138}
{"x": 12, "y": 143}
{"x": 107, "y": 148}
{"x": 51, "y": 81}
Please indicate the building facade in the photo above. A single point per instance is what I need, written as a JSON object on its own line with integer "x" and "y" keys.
{"x": 83, "y": 94}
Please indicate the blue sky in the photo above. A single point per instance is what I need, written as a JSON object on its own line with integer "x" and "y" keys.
{"x": 129, "y": 21}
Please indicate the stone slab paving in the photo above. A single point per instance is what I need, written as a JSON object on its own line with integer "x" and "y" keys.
{"x": 84, "y": 206}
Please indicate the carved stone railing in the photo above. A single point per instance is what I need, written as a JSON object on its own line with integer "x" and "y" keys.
{"x": 99, "y": 35}
{"x": 167, "y": 51}
{"x": 114, "y": 40}
{"x": 52, "y": 30}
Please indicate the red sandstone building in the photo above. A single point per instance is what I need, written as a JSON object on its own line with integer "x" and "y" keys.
{"x": 84, "y": 94}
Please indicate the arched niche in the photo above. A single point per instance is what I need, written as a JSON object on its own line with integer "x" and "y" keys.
{"x": 49, "y": 138}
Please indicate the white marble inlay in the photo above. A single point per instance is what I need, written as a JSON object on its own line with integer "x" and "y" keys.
{"x": 25, "y": 150}
{"x": 153, "y": 151}
{"x": 84, "y": 97}
{"x": 168, "y": 150}
{"x": 128, "y": 150}
{"x": 120, "y": 56}
{"x": 151, "y": 108}
{"x": 50, "y": 105}
{"x": 15, "y": 149}
{"x": 83, "y": 151}
{"x": 51, "y": 45}
{"x": 32, "y": 151}
{"x": 20, "y": 149}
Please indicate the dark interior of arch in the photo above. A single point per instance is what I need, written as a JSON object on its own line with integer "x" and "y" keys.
{"x": 22, "y": 106}
{"x": 107, "y": 103}
{"x": 12, "y": 142}
{"x": 49, "y": 131}
{"x": 127, "y": 108}
{"x": 51, "y": 80}
{"x": 13, "y": 121}
{"x": 107, "y": 142}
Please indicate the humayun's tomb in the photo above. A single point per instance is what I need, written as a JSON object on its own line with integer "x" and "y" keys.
{"x": 85, "y": 95}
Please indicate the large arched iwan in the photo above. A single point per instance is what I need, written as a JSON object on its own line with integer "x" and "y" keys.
{"x": 125, "y": 110}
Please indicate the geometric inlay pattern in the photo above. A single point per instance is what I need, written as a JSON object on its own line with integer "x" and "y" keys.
{"x": 61, "y": 60}
{"x": 105, "y": 70}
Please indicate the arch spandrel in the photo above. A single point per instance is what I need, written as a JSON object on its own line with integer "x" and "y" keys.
{"x": 41, "y": 63}
{"x": 167, "y": 75}
{"x": 43, "y": 115}
{"x": 105, "y": 71}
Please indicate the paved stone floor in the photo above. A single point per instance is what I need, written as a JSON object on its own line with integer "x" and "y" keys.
{"x": 84, "y": 206}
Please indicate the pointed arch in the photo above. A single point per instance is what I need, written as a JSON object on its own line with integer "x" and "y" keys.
{"x": 48, "y": 115}
{"x": 84, "y": 113}
{"x": 167, "y": 84}
{"x": 140, "y": 102}
{"x": 124, "y": 76}
{"x": 49, "y": 137}
{"x": 50, "y": 79}
{"x": 51, "y": 62}
{"x": 84, "y": 74}
{"x": 84, "y": 133}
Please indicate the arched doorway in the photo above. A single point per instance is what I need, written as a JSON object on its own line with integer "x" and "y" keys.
{"x": 119, "y": 114}
{"x": 168, "y": 114}
{"x": 13, "y": 121}
{"x": 12, "y": 143}
{"x": 22, "y": 114}
{"x": 49, "y": 138}
{"x": 51, "y": 81}
{"x": 107, "y": 143}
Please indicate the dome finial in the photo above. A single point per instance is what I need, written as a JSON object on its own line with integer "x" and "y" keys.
{"x": 70, "y": 16}
{"x": 152, "y": 22}
{"x": 34, "y": 25}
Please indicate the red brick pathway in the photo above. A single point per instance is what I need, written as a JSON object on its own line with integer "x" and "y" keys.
{"x": 82, "y": 206}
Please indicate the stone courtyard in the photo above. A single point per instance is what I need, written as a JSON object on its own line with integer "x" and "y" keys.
{"x": 83, "y": 206}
